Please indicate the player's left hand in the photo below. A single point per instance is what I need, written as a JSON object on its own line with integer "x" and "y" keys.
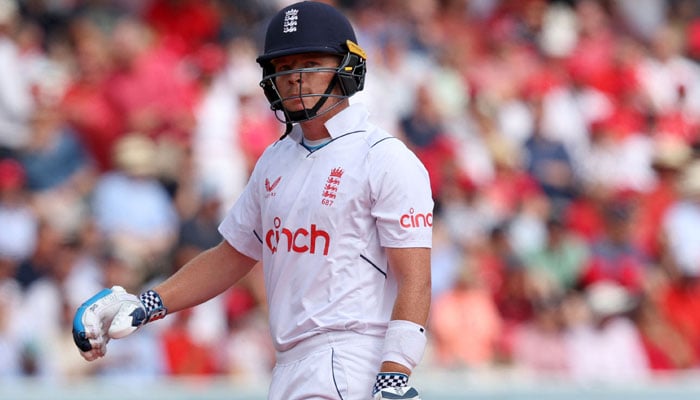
{"x": 393, "y": 385}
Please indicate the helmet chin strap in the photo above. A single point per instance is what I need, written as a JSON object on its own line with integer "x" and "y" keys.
{"x": 306, "y": 113}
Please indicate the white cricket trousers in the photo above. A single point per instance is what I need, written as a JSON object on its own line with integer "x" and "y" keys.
{"x": 334, "y": 365}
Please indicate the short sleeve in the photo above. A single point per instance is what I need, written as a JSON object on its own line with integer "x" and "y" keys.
{"x": 242, "y": 224}
{"x": 402, "y": 201}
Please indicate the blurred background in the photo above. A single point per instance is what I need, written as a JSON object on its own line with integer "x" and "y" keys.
{"x": 562, "y": 139}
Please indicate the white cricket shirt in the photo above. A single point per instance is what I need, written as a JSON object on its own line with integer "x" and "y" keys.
{"x": 319, "y": 220}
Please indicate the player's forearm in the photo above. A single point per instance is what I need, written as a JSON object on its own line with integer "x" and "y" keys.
{"x": 204, "y": 277}
{"x": 412, "y": 270}
{"x": 413, "y": 302}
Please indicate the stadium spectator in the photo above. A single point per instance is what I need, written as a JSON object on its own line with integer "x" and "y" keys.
{"x": 218, "y": 162}
{"x": 545, "y": 331}
{"x": 562, "y": 259}
{"x": 679, "y": 300}
{"x": 66, "y": 273}
{"x": 10, "y": 305}
{"x": 670, "y": 157}
{"x": 549, "y": 163}
{"x": 679, "y": 228}
{"x": 424, "y": 132}
{"x": 667, "y": 349}
{"x": 602, "y": 343}
{"x": 184, "y": 354}
{"x": 467, "y": 307}
{"x": 18, "y": 219}
{"x": 148, "y": 86}
{"x": 86, "y": 102}
{"x": 184, "y": 26}
{"x": 614, "y": 254}
{"x": 248, "y": 353}
{"x": 17, "y": 102}
{"x": 669, "y": 78}
{"x": 132, "y": 209}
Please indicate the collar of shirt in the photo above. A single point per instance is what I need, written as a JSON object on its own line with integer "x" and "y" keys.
{"x": 351, "y": 119}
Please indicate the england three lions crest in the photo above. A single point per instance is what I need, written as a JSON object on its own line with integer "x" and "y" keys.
{"x": 330, "y": 188}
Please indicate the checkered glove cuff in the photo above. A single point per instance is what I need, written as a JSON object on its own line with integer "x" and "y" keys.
{"x": 153, "y": 304}
{"x": 389, "y": 379}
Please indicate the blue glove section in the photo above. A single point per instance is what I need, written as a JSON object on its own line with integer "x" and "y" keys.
{"x": 79, "y": 334}
{"x": 138, "y": 317}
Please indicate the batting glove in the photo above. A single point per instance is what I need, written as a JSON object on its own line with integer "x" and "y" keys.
{"x": 112, "y": 314}
{"x": 393, "y": 385}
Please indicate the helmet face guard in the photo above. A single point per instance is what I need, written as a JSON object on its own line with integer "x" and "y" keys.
{"x": 312, "y": 27}
{"x": 349, "y": 77}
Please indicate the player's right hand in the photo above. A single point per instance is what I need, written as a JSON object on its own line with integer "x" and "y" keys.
{"x": 108, "y": 314}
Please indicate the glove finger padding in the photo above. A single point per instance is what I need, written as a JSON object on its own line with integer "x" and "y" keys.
{"x": 93, "y": 340}
{"x": 94, "y": 317}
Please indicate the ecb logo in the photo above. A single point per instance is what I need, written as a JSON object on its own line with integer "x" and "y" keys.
{"x": 290, "y": 21}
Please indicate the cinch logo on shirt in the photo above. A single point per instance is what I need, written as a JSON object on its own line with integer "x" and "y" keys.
{"x": 300, "y": 240}
{"x": 413, "y": 220}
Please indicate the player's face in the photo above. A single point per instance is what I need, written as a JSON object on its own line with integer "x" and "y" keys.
{"x": 298, "y": 89}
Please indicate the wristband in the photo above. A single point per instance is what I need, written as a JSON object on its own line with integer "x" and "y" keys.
{"x": 404, "y": 343}
{"x": 153, "y": 304}
{"x": 389, "y": 379}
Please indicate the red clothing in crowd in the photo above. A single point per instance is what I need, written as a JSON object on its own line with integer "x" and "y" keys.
{"x": 680, "y": 304}
{"x": 90, "y": 112}
{"x": 652, "y": 206}
{"x": 154, "y": 94}
{"x": 183, "y": 26}
{"x": 439, "y": 160}
{"x": 583, "y": 218}
{"x": 183, "y": 355}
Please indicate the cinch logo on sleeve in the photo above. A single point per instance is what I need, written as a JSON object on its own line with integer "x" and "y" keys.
{"x": 413, "y": 220}
{"x": 300, "y": 240}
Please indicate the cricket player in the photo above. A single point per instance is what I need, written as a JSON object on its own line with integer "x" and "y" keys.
{"x": 340, "y": 214}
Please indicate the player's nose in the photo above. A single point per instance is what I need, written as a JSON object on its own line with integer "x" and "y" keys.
{"x": 295, "y": 78}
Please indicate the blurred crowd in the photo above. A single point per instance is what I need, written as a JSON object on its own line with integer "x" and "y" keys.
{"x": 562, "y": 139}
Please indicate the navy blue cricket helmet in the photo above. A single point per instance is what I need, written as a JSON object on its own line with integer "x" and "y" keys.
{"x": 312, "y": 27}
